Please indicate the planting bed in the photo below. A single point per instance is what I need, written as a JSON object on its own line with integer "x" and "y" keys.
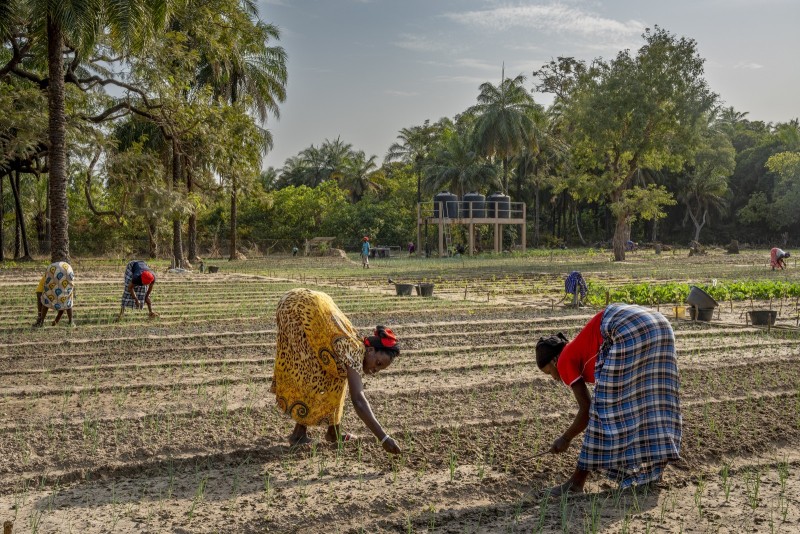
{"x": 168, "y": 425}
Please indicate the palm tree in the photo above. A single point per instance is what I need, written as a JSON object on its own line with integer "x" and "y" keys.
{"x": 79, "y": 23}
{"x": 505, "y": 121}
{"x": 359, "y": 175}
{"x": 414, "y": 146}
{"x": 250, "y": 67}
{"x": 457, "y": 166}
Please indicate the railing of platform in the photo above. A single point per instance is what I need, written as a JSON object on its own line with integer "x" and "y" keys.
{"x": 460, "y": 209}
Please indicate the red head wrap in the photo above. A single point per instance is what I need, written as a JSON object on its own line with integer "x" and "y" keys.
{"x": 383, "y": 339}
{"x": 147, "y": 278}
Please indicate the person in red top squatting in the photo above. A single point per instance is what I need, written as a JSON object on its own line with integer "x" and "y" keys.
{"x": 633, "y": 423}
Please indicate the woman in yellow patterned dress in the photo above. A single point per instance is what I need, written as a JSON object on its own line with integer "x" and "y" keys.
{"x": 319, "y": 356}
{"x": 56, "y": 290}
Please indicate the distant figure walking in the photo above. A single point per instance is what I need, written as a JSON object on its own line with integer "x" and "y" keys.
{"x": 56, "y": 291}
{"x": 411, "y": 248}
{"x": 295, "y": 250}
{"x": 365, "y": 253}
{"x": 139, "y": 282}
{"x": 777, "y": 258}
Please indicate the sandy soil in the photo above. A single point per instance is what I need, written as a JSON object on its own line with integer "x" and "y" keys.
{"x": 168, "y": 426}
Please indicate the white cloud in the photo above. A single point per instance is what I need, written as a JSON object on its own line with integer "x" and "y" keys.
{"x": 556, "y": 18}
{"x": 393, "y": 92}
{"x": 421, "y": 43}
{"x": 475, "y": 64}
{"x": 473, "y": 80}
{"x": 745, "y": 65}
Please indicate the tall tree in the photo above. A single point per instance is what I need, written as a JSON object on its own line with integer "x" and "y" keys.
{"x": 456, "y": 165}
{"x": 73, "y": 27}
{"x": 704, "y": 184}
{"x": 636, "y": 112}
{"x": 360, "y": 175}
{"x": 505, "y": 124}
{"x": 248, "y": 69}
{"x": 414, "y": 145}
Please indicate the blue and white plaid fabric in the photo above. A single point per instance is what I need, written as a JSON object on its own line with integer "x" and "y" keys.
{"x": 575, "y": 282}
{"x": 635, "y": 417}
{"x": 141, "y": 291}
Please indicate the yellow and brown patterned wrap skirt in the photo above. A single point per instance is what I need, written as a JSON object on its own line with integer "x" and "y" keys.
{"x": 316, "y": 346}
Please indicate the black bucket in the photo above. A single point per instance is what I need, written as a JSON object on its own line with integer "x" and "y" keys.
{"x": 213, "y": 268}
{"x": 403, "y": 290}
{"x": 701, "y": 314}
{"x": 762, "y": 317}
{"x": 424, "y": 290}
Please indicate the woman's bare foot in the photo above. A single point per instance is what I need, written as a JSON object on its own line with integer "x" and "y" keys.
{"x": 566, "y": 487}
{"x": 153, "y": 315}
{"x": 332, "y": 435}
{"x": 299, "y": 441}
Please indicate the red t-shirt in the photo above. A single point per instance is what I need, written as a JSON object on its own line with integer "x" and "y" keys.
{"x": 578, "y": 357}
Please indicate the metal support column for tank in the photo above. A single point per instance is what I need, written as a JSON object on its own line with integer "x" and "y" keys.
{"x": 496, "y": 240}
{"x": 418, "y": 248}
{"x": 441, "y": 229}
{"x": 471, "y": 239}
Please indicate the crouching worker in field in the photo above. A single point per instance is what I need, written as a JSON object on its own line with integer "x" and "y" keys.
{"x": 633, "y": 424}
{"x": 56, "y": 291}
{"x": 777, "y": 258}
{"x": 319, "y": 356}
{"x": 139, "y": 282}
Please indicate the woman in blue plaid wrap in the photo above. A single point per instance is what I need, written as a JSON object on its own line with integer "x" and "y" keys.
{"x": 633, "y": 423}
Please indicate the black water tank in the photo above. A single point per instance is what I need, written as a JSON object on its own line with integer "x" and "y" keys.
{"x": 478, "y": 203}
{"x": 498, "y": 205}
{"x": 450, "y": 204}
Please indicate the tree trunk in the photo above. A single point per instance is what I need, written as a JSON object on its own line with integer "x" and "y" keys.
{"x": 619, "y": 237}
{"x": 698, "y": 225}
{"x": 505, "y": 176}
{"x": 57, "y": 151}
{"x": 234, "y": 254}
{"x": 654, "y": 236}
{"x": 47, "y": 232}
{"x": 2, "y": 215}
{"x": 536, "y": 215}
{"x": 152, "y": 243}
{"x": 192, "y": 230}
{"x": 22, "y": 233}
{"x": 578, "y": 226}
{"x": 177, "y": 243}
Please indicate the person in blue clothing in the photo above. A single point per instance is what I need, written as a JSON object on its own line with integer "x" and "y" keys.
{"x": 365, "y": 252}
{"x": 139, "y": 282}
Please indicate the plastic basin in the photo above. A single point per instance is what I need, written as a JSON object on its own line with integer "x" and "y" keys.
{"x": 700, "y": 299}
{"x": 762, "y": 317}
{"x": 404, "y": 290}
{"x": 701, "y": 314}
{"x": 424, "y": 290}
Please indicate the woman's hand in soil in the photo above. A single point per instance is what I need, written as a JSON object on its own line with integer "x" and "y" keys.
{"x": 390, "y": 446}
{"x": 559, "y": 445}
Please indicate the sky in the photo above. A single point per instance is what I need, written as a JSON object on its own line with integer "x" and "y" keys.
{"x": 364, "y": 69}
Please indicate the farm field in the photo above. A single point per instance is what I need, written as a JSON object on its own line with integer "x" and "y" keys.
{"x": 168, "y": 425}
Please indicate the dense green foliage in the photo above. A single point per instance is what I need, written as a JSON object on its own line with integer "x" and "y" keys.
{"x": 673, "y": 292}
{"x": 168, "y": 162}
